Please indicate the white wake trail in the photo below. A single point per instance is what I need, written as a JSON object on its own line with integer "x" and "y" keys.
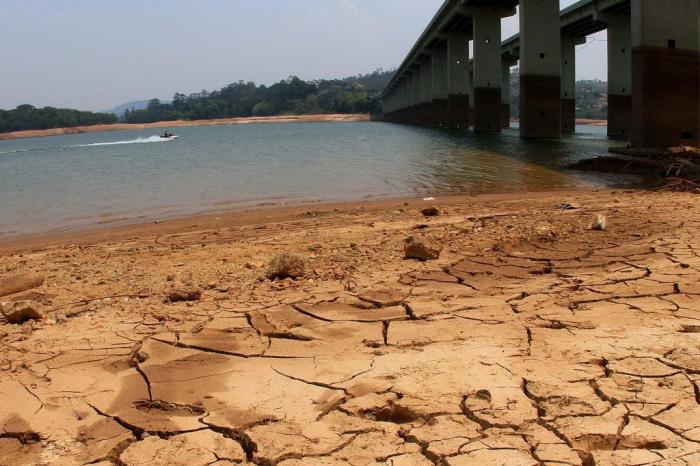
{"x": 155, "y": 138}
{"x": 132, "y": 141}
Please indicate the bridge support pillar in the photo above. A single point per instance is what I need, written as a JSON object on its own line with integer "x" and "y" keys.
{"x": 415, "y": 104}
{"x": 568, "y": 82}
{"x": 408, "y": 102}
{"x": 399, "y": 102}
{"x": 506, "y": 64}
{"x": 487, "y": 68}
{"x": 440, "y": 113}
{"x": 619, "y": 73}
{"x": 426, "y": 99}
{"x": 458, "y": 80}
{"x": 665, "y": 73}
{"x": 404, "y": 102}
{"x": 540, "y": 69}
{"x": 471, "y": 96}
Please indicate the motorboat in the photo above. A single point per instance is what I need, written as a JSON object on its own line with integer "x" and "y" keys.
{"x": 168, "y": 136}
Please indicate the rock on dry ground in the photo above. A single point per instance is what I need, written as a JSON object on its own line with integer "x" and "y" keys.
{"x": 17, "y": 312}
{"x": 421, "y": 248}
{"x": 531, "y": 340}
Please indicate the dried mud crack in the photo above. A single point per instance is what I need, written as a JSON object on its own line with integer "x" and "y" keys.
{"x": 532, "y": 340}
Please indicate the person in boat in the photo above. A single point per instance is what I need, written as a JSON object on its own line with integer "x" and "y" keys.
{"x": 167, "y": 135}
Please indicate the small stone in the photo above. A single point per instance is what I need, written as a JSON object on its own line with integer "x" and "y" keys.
{"x": 19, "y": 312}
{"x": 598, "y": 223}
{"x": 430, "y": 211}
{"x": 421, "y": 248}
{"x": 286, "y": 265}
{"x": 182, "y": 294}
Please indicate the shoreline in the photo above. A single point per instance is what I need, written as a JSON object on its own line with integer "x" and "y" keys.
{"x": 194, "y": 344}
{"x": 579, "y": 121}
{"x": 315, "y": 118}
{"x": 250, "y": 215}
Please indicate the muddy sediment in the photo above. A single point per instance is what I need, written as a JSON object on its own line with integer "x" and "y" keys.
{"x": 531, "y": 339}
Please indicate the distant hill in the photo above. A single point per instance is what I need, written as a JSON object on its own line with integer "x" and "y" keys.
{"x": 373, "y": 83}
{"x": 27, "y": 117}
{"x": 121, "y": 109}
{"x": 291, "y": 96}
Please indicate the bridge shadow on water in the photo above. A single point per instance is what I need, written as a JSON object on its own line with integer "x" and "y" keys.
{"x": 461, "y": 161}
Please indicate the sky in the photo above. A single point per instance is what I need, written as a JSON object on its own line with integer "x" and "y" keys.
{"x": 97, "y": 54}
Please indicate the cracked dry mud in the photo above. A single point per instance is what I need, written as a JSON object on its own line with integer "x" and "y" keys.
{"x": 532, "y": 340}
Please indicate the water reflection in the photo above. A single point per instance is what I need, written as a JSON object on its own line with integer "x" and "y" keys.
{"x": 69, "y": 182}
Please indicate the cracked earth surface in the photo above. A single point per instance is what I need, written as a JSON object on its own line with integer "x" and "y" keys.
{"x": 531, "y": 341}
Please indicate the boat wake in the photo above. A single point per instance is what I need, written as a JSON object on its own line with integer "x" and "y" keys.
{"x": 133, "y": 141}
{"x": 147, "y": 140}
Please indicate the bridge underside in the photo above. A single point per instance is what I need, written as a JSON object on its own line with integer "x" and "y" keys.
{"x": 653, "y": 69}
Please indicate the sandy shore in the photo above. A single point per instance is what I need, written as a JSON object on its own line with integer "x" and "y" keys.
{"x": 579, "y": 121}
{"x": 181, "y": 123}
{"x": 531, "y": 340}
{"x": 587, "y": 121}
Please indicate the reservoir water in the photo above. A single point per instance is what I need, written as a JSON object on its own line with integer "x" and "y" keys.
{"x": 76, "y": 181}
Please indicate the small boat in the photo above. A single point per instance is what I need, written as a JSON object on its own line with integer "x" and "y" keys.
{"x": 168, "y": 136}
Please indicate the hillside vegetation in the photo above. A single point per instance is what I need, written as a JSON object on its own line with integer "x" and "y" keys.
{"x": 356, "y": 94}
{"x": 28, "y": 117}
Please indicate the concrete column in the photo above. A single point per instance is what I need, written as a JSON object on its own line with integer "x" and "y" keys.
{"x": 471, "y": 94}
{"x": 397, "y": 103}
{"x": 619, "y": 76}
{"x": 426, "y": 100}
{"x": 665, "y": 73}
{"x": 619, "y": 73}
{"x": 487, "y": 69}
{"x": 408, "y": 101}
{"x": 415, "y": 106}
{"x": 388, "y": 105}
{"x": 568, "y": 82}
{"x": 458, "y": 80}
{"x": 506, "y": 64}
{"x": 540, "y": 69}
{"x": 401, "y": 99}
{"x": 439, "y": 74}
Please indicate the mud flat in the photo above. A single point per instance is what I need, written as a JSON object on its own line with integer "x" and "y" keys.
{"x": 181, "y": 123}
{"x": 531, "y": 340}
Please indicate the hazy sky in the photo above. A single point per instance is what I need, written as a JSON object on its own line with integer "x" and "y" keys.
{"x": 96, "y": 54}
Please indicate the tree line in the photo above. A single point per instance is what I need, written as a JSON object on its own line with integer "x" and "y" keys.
{"x": 591, "y": 97}
{"x": 356, "y": 94}
{"x": 27, "y": 117}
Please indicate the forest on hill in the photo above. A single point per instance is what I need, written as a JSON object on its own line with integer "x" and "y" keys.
{"x": 28, "y": 117}
{"x": 355, "y": 94}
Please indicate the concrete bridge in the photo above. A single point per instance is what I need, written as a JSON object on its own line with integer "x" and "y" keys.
{"x": 653, "y": 68}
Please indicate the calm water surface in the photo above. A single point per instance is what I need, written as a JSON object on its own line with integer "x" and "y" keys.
{"x": 70, "y": 182}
